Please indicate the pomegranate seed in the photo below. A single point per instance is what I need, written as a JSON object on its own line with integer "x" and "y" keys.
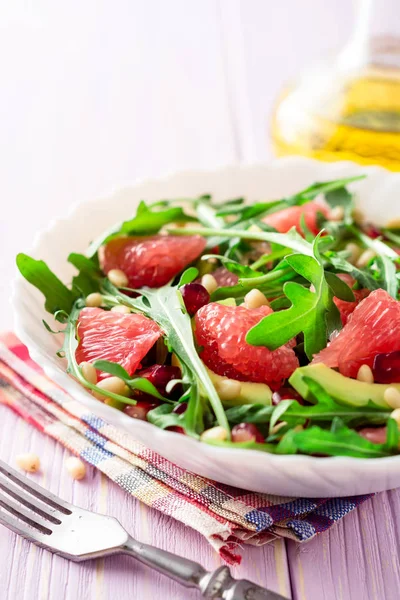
{"x": 247, "y": 432}
{"x": 176, "y": 429}
{"x": 377, "y": 435}
{"x": 386, "y": 367}
{"x": 194, "y": 296}
{"x": 372, "y": 231}
{"x": 286, "y": 393}
{"x": 160, "y": 376}
{"x": 180, "y": 408}
{"x": 140, "y": 410}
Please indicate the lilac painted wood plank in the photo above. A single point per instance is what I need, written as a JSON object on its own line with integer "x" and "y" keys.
{"x": 30, "y": 571}
{"x": 358, "y": 558}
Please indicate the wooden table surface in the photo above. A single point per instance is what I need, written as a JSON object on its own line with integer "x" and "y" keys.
{"x": 94, "y": 95}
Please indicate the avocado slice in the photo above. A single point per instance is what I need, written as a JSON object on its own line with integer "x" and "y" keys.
{"x": 227, "y": 302}
{"x": 250, "y": 392}
{"x": 341, "y": 388}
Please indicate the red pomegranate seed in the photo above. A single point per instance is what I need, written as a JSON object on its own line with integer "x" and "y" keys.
{"x": 140, "y": 410}
{"x": 372, "y": 231}
{"x": 247, "y": 432}
{"x": 386, "y": 367}
{"x": 286, "y": 393}
{"x": 377, "y": 435}
{"x": 160, "y": 376}
{"x": 194, "y": 296}
{"x": 176, "y": 429}
{"x": 180, "y": 408}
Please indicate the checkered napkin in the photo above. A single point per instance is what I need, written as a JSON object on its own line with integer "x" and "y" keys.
{"x": 228, "y": 517}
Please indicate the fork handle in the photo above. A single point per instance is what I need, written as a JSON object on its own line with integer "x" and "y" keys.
{"x": 219, "y": 584}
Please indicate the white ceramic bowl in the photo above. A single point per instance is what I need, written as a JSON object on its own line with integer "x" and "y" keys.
{"x": 283, "y": 475}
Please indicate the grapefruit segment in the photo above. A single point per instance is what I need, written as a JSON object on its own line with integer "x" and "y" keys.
{"x": 285, "y": 219}
{"x": 221, "y": 331}
{"x": 373, "y": 328}
{"x": 151, "y": 261}
{"x": 121, "y": 338}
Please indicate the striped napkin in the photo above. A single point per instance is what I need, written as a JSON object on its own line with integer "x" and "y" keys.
{"x": 227, "y": 517}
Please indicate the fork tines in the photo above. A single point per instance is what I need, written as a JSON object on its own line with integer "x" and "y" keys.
{"x": 34, "y": 506}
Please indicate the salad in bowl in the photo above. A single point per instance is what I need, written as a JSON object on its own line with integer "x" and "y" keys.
{"x": 269, "y": 325}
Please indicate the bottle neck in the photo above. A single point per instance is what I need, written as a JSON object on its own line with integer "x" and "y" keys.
{"x": 376, "y": 37}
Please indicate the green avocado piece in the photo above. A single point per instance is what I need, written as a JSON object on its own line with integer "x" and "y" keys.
{"x": 250, "y": 392}
{"x": 341, "y": 388}
{"x": 227, "y": 302}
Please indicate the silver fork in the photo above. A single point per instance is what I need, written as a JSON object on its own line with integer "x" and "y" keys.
{"x": 78, "y": 535}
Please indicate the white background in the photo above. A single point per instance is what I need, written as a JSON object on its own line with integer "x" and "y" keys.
{"x": 96, "y": 93}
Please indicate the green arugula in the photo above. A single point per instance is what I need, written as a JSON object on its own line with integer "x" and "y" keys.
{"x": 147, "y": 221}
{"x": 140, "y": 384}
{"x": 89, "y": 276}
{"x": 323, "y": 411}
{"x": 386, "y": 257}
{"x": 340, "y": 440}
{"x": 363, "y": 277}
{"x": 57, "y": 296}
{"x": 291, "y": 239}
{"x": 165, "y": 306}
{"x": 258, "y": 209}
{"x": 312, "y": 312}
{"x": 341, "y": 197}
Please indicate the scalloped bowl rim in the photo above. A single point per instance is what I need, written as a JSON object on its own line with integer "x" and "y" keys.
{"x": 208, "y": 450}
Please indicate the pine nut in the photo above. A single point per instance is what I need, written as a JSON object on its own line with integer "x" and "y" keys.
{"x": 228, "y": 389}
{"x": 89, "y": 372}
{"x": 365, "y": 257}
{"x": 75, "y": 467}
{"x": 396, "y": 416}
{"x": 354, "y": 252}
{"x": 209, "y": 282}
{"x": 277, "y": 427}
{"x": 28, "y": 462}
{"x": 117, "y": 278}
{"x": 94, "y": 299}
{"x": 114, "y": 385}
{"x": 215, "y": 433}
{"x": 365, "y": 374}
{"x": 121, "y": 308}
{"x": 255, "y": 299}
{"x": 254, "y": 229}
{"x": 337, "y": 213}
{"x": 392, "y": 397}
{"x": 358, "y": 216}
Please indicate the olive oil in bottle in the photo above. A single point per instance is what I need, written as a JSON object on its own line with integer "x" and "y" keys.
{"x": 349, "y": 108}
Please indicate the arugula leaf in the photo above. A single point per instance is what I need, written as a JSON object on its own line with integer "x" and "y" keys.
{"x": 57, "y": 296}
{"x": 339, "y": 288}
{"x": 291, "y": 239}
{"x": 307, "y": 314}
{"x": 165, "y": 306}
{"x": 339, "y": 441}
{"x": 89, "y": 276}
{"x": 163, "y": 416}
{"x": 343, "y": 198}
{"x": 342, "y": 265}
{"x": 234, "y": 266}
{"x": 147, "y": 221}
{"x": 385, "y": 257}
{"x": 265, "y": 208}
{"x": 188, "y": 276}
{"x": 392, "y": 436}
{"x": 135, "y": 383}
{"x": 324, "y": 410}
